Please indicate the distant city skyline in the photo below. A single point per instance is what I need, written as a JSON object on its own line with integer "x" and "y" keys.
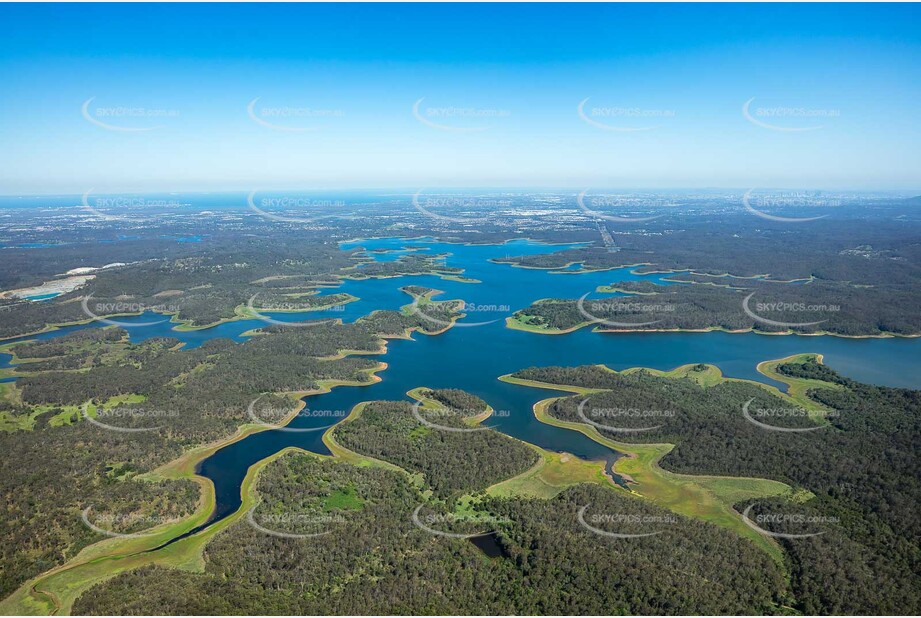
{"x": 143, "y": 98}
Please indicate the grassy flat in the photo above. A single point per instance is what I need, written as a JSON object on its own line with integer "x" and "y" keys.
{"x": 798, "y": 387}
{"x": 347, "y": 455}
{"x": 552, "y": 473}
{"x": 432, "y": 404}
{"x": 515, "y": 323}
{"x": 55, "y": 591}
{"x": 709, "y": 498}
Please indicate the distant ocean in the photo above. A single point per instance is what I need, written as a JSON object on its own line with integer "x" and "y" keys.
{"x": 230, "y": 199}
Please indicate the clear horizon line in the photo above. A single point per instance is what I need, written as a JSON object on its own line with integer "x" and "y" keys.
{"x": 435, "y": 189}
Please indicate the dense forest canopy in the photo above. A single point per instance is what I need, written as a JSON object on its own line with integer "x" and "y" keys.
{"x": 863, "y": 469}
{"x": 374, "y": 561}
{"x": 858, "y": 472}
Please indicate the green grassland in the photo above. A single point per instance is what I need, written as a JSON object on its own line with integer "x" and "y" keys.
{"x": 552, "y": 473}
{"x": 710, "y": 498}
{"x": 55, "y": 591}
{"x": 797, "y": 388}
{"x": 428, "y": 403}
{"x": 356, "y": 459}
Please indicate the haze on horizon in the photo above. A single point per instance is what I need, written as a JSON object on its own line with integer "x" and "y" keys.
{"x": 189, "y": 98}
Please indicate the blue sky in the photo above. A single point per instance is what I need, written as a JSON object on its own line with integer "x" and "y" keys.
{"x": 155, "y": 97}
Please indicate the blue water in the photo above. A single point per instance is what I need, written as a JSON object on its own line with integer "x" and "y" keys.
{"x": 183, "y": 238}
{"x": 472, "y": 355}
{"x": 473, "y": 358}
{"x": 40, "y": 297}
{"x": 38, "y": 245}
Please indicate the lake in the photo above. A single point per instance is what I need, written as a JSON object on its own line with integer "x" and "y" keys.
{"x": 472, "y": 355}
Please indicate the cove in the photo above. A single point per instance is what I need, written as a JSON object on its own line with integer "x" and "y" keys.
{"x": 472, "y": 358}
{"x": 479, "y": 348}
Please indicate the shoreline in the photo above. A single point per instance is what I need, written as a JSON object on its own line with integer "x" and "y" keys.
{"x": 465, "y": 244}
{"x": 24, "y": 599}
{"x": 513, "y": 324}
{"x": 560, "y": 270}
{"x": 639, "y": 463}
{"x": 763, "y": 277}
{"x": 181, "y": 326}
{"x": 474, "y": 420}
